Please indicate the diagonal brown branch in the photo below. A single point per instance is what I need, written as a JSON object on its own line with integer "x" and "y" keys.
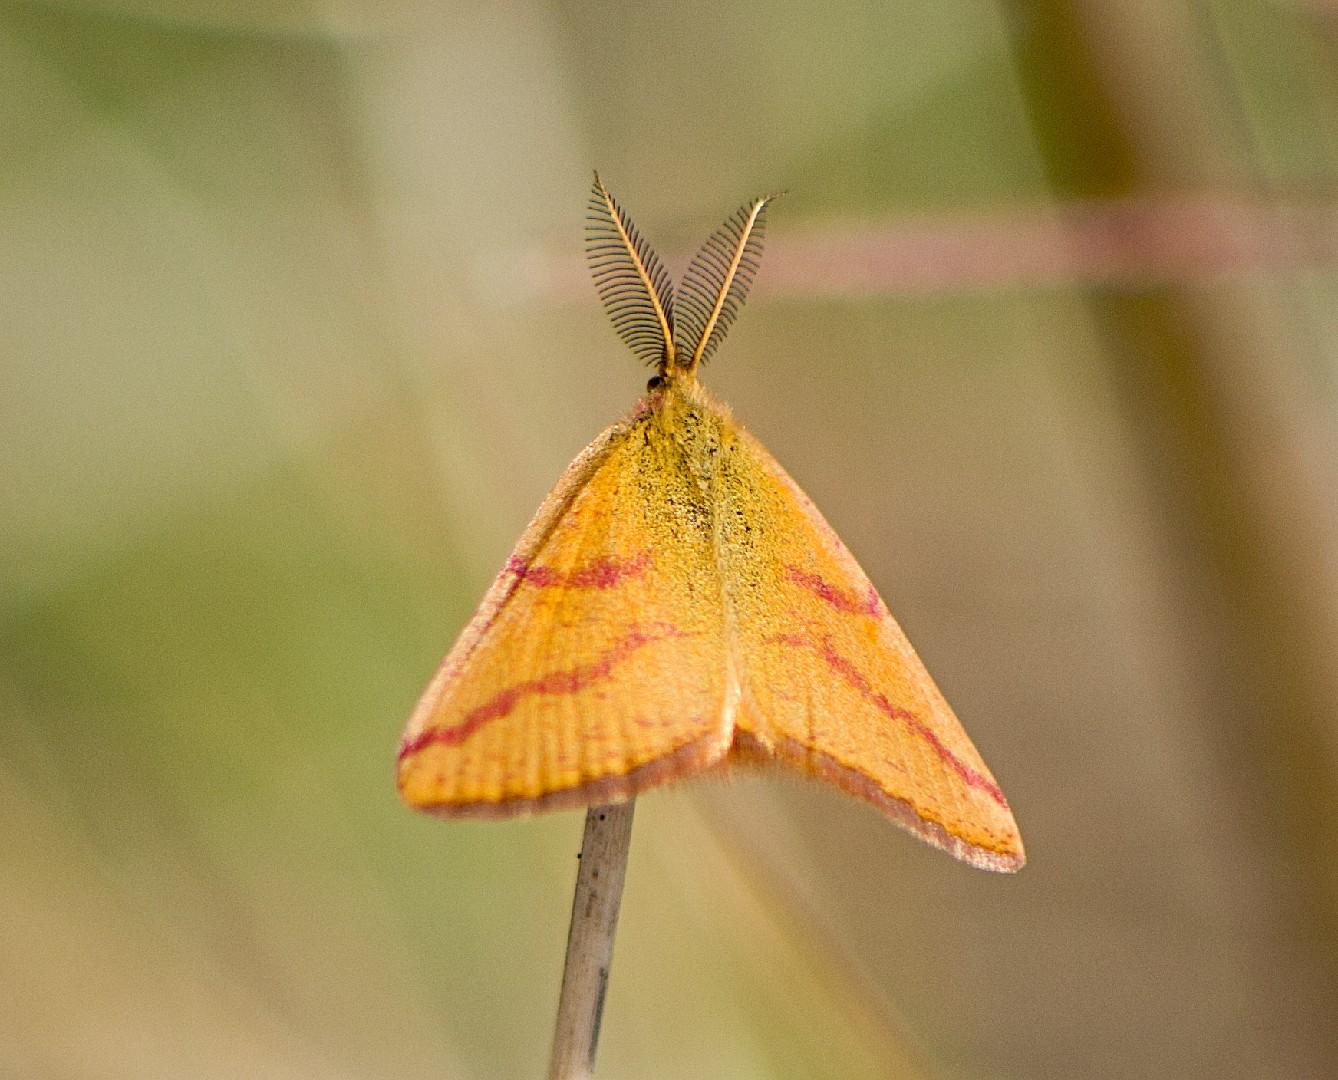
{"x": 594, "y": 921}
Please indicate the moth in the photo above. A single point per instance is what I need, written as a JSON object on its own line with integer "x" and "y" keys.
{"x": 679, "y": 605}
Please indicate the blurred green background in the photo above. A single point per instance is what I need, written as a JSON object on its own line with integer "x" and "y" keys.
{"x": 295, "y": 334}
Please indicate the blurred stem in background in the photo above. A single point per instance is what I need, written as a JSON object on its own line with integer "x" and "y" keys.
{"x": 1138, "y": 99}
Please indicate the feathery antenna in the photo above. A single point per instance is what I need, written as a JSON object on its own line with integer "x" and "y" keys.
{"x": 634, "y": 287}
{"x": 717, "y": 283}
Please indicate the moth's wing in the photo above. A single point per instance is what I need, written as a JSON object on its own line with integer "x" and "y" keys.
{"x": 595, "y": 667}
{"x": 829, "y": 681}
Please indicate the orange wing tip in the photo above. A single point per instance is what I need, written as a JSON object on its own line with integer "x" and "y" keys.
{"x": 688, "y": 760}
{"x": 1001, "y": 853}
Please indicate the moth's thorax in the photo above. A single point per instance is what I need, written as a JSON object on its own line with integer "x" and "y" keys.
{"x": 691, "y": 426}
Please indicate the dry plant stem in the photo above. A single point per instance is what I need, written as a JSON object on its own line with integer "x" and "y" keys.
{"x": 594, "y": 920}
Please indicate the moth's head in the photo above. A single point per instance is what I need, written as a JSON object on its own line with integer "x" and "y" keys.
{"x": 672, "y": 385}
{"x": 671, "y": 375}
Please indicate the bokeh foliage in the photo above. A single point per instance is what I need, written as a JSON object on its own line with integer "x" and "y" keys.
{"x": 294, "y": 338}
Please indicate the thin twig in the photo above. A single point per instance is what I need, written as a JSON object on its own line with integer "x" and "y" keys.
{"x": 594, "y": 920}
{"x": 1139, "y": 239}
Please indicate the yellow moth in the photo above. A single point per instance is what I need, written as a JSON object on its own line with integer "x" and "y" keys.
{"x": 678, "y": 604}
